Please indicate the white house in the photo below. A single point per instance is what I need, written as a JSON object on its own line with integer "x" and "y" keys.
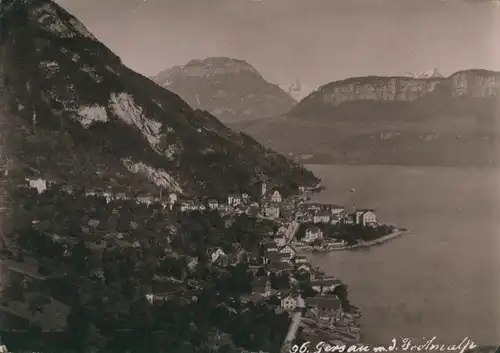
{"x": 322, "y": 217}
{"x": 289, "y": 250}
{"x": 337, "y": 210}
{"x": 312, "y": 234}
{"x": 366, "y": 218}
{"x": 276, "y": 196}
{"x": 234, "y": 200}
{"x": 292, "y": 302}
{"x": 39, "y": 184}
{"x": 217, "y": 254}
{"x": 172, "y": 198}
{"x": 213, "y": 204}
{"x": 271, "y": 211}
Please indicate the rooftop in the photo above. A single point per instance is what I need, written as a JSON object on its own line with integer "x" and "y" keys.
{"x": 324, "y": 301}
{"x": 326, "y": 282}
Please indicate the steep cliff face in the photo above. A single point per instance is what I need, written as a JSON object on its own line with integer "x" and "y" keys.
{"x": 393, "y": 120}
{"x": 471, "y": 83}
{"x": 230, "y": 89}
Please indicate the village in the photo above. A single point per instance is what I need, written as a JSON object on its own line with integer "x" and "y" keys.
{"x": 320, "y": 314}
{"x": 283, "y": 278}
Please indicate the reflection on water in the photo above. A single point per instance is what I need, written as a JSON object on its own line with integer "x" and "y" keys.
{"x": 440, "y": 280}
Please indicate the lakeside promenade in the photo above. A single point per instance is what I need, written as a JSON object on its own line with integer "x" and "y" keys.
{"x": 364, "y": 244}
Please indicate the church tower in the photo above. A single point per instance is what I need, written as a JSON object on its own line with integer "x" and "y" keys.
{"x": 263, "y": 189}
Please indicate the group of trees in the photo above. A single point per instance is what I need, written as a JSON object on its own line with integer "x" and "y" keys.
{"x": 106, "y": 288}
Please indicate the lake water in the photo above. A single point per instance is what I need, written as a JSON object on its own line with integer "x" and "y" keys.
{"x": 442, "y": 279}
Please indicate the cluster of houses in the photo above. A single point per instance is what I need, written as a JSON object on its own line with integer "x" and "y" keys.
{"x": 324, "y": 213}
{"x": 271, "y": 205}
{"x": 325, "y": 306}
{"x": 279, "y": 257}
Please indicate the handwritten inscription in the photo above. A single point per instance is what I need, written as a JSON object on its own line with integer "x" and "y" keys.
{"x": 404, "y": 344}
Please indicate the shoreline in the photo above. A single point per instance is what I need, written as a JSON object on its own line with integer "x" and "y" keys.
{"x": 364, "y": 244}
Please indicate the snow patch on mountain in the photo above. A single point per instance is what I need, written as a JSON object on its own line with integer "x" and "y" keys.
{"x": 158, "y": 176}
{"x": 88, "y": 115}
{"x": 424, "y": 75}
{"x": 125, "y": 108}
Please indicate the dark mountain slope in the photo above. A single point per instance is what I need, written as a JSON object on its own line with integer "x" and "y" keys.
{"x": 67, "y": 90}
{"x": 393, "y": 120}
{"x": 74, "y": 121}
{"x": 228, "y": 88}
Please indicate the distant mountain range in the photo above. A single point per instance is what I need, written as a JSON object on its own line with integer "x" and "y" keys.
{"x": 230, "y": 89}
{"x": 392, "y": 120}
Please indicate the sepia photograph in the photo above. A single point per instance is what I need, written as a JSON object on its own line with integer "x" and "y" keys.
{"x": 249, "y": 176}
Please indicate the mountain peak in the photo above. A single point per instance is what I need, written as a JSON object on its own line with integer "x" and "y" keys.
{"x": 209, "y": 67}
{"x": 231, "y": 89}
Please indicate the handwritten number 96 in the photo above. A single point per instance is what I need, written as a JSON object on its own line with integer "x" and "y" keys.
{"x": 300, "y": 349}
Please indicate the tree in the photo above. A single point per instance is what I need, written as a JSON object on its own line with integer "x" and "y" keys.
{"x": 341, "y": 292}
{"x": 14, "y": 292}
{"x": 280, "y": 281}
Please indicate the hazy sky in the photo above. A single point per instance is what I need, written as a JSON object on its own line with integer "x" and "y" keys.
{"x": 315, "y": 41}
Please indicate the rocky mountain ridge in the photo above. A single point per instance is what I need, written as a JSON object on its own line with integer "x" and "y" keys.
{"x": 230, "y": 89}
{"x": 467, "y": 83}
{"x": 449, "y": 121}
